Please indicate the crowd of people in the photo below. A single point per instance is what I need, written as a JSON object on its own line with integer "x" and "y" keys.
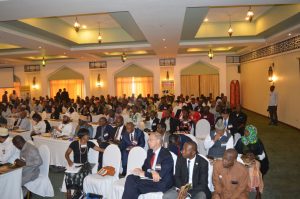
{"x": 167, "y": 134}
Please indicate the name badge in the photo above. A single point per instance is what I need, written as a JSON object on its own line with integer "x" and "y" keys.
{"x": 230, "y": 126}
{"x": 223, "y": 144}
{"x": 157, "y": 167}
{"x": 106, "y": 134}
{"x": 154, "y": 124}
{"x": 83, "y": 146}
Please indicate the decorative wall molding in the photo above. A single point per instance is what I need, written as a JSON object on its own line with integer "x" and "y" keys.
{"x": 32, "y": 68}
{"x": 280, "y": 47}
{"x": 97, "y": 64}
{"x": 167, "y": 62}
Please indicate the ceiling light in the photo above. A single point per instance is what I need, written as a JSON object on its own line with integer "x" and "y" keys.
{"x": 84, "y": 26}
{"x": 290, "y": 34}
{"x": 123, "y": 57}
{"x": 165, "y": 47}
{"x": 206, "y": 20}
{"x": 210, "y": 54}
{"x": 40, "y": 47}
{"x": 250, "y": 14}
{"x": 43, "y": 62}
{"x": 76, "y": 25}
{"x": 99, "y": 36}
{"x": 164, "y": 39}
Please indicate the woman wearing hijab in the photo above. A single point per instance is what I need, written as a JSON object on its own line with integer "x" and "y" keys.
{"x": 251, "y": 145}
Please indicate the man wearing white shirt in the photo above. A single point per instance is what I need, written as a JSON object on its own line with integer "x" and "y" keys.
{"x": 272, "y": 108}
{"x": 218, "y": 141}
{"x": 8, "y": 152}
{"x": 66, "y": 127}
{"x": 191, "y": 170}
{"x": 23, "y": 122}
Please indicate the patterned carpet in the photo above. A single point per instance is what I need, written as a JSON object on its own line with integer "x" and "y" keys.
{"x": 282, "y": 180}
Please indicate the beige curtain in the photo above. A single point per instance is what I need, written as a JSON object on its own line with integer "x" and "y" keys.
{"x": 200, "y": 84}
{"x": 190, "y": 85}
{"x": 73, "y": 86}
{"x": 134, "y": 85}
{"x": 209, "y": 84}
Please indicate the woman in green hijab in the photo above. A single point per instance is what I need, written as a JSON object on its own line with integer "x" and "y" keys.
{"x": 250, "y": 144}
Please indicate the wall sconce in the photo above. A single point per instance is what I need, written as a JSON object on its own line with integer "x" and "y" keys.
{"x": 99, "y": 83}
{"x": 123, "y": 57}
{"x": 43, "y": 62}
{"x": 270, "y": 73}
{"x": 34, "y": 85}
{"x": 167, "y": 76}
{"x": 210, "y": 54}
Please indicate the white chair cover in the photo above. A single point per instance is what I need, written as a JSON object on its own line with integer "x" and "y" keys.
{"x": 136, "y": 158}
{"x": 202, "y": 128}
{"x": 192, "y": 138}
{"x": 159, "y": 115}
{"x": 42, "y": 185}
{"x": 210, "y": 172}
{"x": 158, "y": 195}
{"x": 95, "y": 118}
{"x": 146, "y": 137}
{"x": 236, "y": 138}
{"x": 102, "y": 185}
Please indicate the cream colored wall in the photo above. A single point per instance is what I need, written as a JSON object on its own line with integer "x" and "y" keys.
{"x": 255, "y": 86}
{"x": 232, "y": 74}
{"x": 114, "y": 66}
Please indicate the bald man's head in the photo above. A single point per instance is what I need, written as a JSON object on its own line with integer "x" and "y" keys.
{"x": 229, "y": 158}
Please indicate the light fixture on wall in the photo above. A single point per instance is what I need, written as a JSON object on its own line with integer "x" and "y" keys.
{"x": 250, "y": 15}
{"x": 167, "y": 76}
{"x": 123, "y": 57}
{"x": 43, "y": 62}
{"x": 99, "y": 83}
{"x": 99, "y": 36}
{"x": 230, "y": 30}
{"x": 270, "y": 73}
{"x": 76, "y": 25}
{"x": 210, "y": 54}
{"x": 34, "y": 85}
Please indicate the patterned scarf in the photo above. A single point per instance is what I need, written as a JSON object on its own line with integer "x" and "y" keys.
{"x": 252, "y": 137}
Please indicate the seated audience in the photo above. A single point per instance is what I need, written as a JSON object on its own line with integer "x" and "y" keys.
{"x": 65, "y": 128}
{"x": 39, "y": 126}
{"x": 239, "y": 120}
{"x": 218, "y": 141}
{"x": 158, "y": 168}
{"x": 23, "y": 122}
{"x": 161, "y": 129}
{"x": 174, "y": 144}
{"x": 251, "y": 144}
{"x": 172, "y": 124}
{"x": 118, "y": 131}
{"x": 153, "y": 121}
{"x": 80, "y": 149}
{"x": 191, "y": 169}
{"x": 133, "y": 137}
{"x": 30, "y": 159}
{"x": 185, "y": 124}
{"x": 8, "y": 152}
{"x": 83, "y": 124}
{"x": 230, "y": 178}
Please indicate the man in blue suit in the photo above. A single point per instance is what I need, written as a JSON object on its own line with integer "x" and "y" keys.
{"x": 156, "y": 174}
{"x": 103, "y": 135}
{"x": 133, "y": 137}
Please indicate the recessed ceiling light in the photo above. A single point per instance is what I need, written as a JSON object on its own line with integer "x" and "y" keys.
{"x": 84, "y": 26}
{"x": 165, "y": 47}
{"x": 164, "y": 39}
{"x": 40, "y": 47}
{"x": 290, "y": 34}
{"x": 206, "y": 20}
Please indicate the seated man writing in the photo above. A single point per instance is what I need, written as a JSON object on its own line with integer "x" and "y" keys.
{"x": 158, "y": 168}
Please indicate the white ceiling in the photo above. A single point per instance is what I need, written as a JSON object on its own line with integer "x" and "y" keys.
{"x": 235, "y": 13}
{"x": 92, "y": 21}
{"x": 161, "y": 21}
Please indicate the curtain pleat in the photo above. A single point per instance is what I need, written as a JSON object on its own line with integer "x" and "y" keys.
{"x": 134, "y": 85}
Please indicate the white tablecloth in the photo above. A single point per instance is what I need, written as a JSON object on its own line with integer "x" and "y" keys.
{"x": 25, "y": 135}
{"x": 58, "y": 148}
{"x": 10, "y": 184}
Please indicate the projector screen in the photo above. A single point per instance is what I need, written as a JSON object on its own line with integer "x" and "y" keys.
{"x": 7, "y": 77}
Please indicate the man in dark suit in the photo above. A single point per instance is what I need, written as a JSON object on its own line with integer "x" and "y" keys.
{"x": 238, "y": 120}
{"x": 133, "y": 137}
{"x": 157, "y": 168}
{"x": 191, "y": 169}
{"x": 64, "y": 95}
{"x": 193, "y": 105}
{"x": 172, "y": 124}
{"x": 153, "y": 121}
{"x": 58, "y": 95}
{"x": 103, "y": 134}
{"x": 119, "y": 130}
{"x": 161, "y": 129}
